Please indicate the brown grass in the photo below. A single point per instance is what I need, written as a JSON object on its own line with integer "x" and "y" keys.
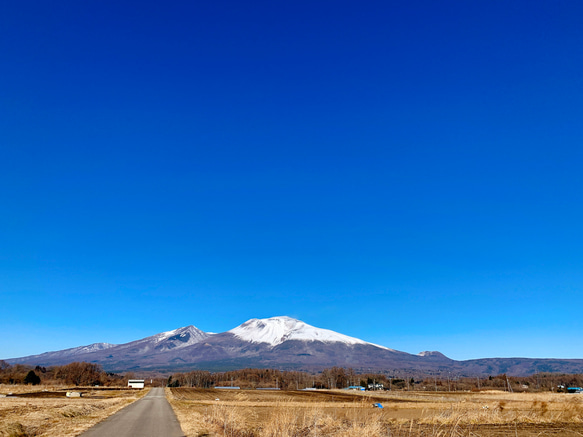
{"x": 39, "y": 415}
{"x": 340, "y": 413}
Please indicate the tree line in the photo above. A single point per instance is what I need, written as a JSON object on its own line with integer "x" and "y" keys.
{"x": 77, "y": 373}
{"x": 338, "y": 377}
{"x": 90, "y": 374}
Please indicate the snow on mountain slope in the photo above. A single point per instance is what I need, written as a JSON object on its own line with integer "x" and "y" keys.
{"x": 90, "y": 348}
{"x": 433, "y": 355}
{"x": 188, "y": 334}
{"x": 276, "y": 330}
{"x": 74, "y": 351}
{"x": 177, "y": 338}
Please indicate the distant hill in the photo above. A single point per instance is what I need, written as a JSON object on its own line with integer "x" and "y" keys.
{"x": 283, "y": 343}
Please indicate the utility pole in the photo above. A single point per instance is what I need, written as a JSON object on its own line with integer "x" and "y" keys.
{"x": 509, "y": 386}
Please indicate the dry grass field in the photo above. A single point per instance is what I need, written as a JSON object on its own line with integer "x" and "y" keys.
{"x": 46, "y": 411}
{"x": 254, "y": 413}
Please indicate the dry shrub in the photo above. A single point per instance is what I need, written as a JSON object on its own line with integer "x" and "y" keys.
{"x": 540, "y": 407}
{"x": 231, "y": 421}
{"x": 368, "y": 429}
{"x": 290, "y": 421}
{"x": 573, "y": 411}
{"x": 15, "y": 429}
{"x": 301, "y": 422}
{"x": 287, "y": 422}
{"x": 79, "y": 410}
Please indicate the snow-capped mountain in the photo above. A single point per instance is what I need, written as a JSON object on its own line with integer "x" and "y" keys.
{"x": 283, "y": 343}
{"x": 276, "y": 341}
{"x": 110, "y": 355}
{"x": 276, "y": 330}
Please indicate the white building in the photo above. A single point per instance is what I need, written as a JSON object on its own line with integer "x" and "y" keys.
{"x": 136, "y": 383}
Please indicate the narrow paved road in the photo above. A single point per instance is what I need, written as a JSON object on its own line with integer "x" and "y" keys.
{"x": 151, "y": 416}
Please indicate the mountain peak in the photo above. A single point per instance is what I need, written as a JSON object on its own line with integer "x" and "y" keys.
{"x": 432, "y": 354}
{"x": 190, "y": 329}
{"x": 177, "y": 338}
{"x": 276, "y": 330}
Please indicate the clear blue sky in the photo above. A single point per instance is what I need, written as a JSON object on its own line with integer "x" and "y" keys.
{"x": 409, "y": 173}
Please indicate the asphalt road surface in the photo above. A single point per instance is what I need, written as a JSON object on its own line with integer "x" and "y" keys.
{"x": 151, "y": 416}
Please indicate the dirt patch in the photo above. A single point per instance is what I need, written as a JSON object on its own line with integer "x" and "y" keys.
{"x": 278, "y": 396}
{"x": 48, "y": 394}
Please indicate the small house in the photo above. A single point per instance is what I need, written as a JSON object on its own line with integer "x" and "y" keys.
{"x": 136, "y": 383}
